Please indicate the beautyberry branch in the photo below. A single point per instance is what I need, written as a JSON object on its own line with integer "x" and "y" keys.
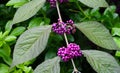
{"x": 72, "y": 50}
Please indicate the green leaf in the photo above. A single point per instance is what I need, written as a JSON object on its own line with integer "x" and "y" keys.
{"x": 8, "y": 26}
{"x": 5, "y": 34}
{"x": 1, "y": 34}
{"x": 16, "y": 2}
{"x": 98, "y": 34}
{"x": 19, "y": 5}
{"x": 47, "y": 20}
{"x": 28, "y": 10}
{"x": 49, "y": 66}
{"x": 95, "y": 12}
{"x": 115, "y": 31}
{"x": 30, "y": 44}
{"x": 101, "y": 62}
{"x": 72, "y": 0}
{"x": 94, "y": 3}
{"x": 50, "y": 54}
{"x": 35, "y": 22}
{"x": 1, "y": 39}
{"x": 117, "y": 54}
{"x": 4, "y": 68}
{"x": 109, "y": 14}
{"x": 117, "y": 40}
{"x": 110, "y": 9}
{"x": 27, "y": 69}
{"x": 5, "y": 53}
{"x": 70, "y": 38}
{"x": 6, "y": 48}
{"x": 24, "y": 68}
{"x": 18, "y": 31}
{"x": 10, "y": 38}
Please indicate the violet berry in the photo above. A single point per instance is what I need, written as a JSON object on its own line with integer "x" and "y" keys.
{"x": 61, "y": 27}
{"x": 75, "y": 50}
{"x": 64, "y": 54}
{"x": 70, "y": 27}
{"x": 53, "y": 2}
{"x": 72, "y": 51}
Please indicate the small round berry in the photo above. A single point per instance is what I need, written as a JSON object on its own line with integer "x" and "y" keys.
{"x": 59, "y": 28}
{"x": 72, "y": 51}
{"x": 75, "y": 49}
{"x": 61, "y": 51}
{"x": 52, "y": 3}
{"x": 64, "y": 54}
{"x": 70, "y": 27}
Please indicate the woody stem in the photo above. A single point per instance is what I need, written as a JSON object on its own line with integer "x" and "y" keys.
{"x": 58, "y": 10}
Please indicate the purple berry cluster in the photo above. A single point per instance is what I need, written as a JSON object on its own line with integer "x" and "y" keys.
{"x": 53, "y": 2}
{"x": 70, "y": 27}
{"x": 61, "y": 27}
{"x": 72, "y": 51}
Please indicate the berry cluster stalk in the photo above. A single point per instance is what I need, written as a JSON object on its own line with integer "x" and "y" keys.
{"x": 58, "y": 10}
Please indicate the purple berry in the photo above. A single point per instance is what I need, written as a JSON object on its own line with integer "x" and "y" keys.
{"x": 61, "y": 27}
{"x": 75, "y": 49}
{"x": 70, "y": 27}
{"x": 53, "y": 2}
{"x": 64, "y": 54}
{"x": 72, "y": 51}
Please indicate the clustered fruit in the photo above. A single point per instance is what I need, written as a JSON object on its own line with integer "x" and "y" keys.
{"x": 61, "y": 27}
{"x": 71, "y": 51}
{"x": 53, "y": 2}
